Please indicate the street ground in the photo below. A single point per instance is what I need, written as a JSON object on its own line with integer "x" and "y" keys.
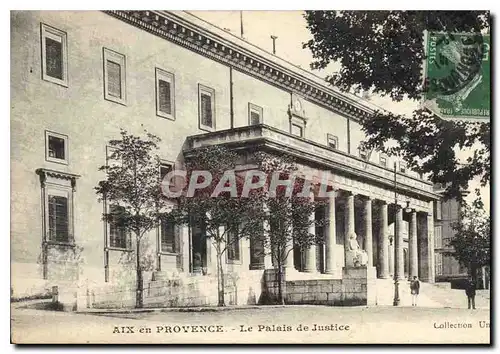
{"x": 273, "y": 324}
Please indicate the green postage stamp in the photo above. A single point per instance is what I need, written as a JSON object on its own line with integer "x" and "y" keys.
{"x": 457, "y": 75}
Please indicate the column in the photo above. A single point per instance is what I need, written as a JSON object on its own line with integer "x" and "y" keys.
{"x": 368, "y": 231}
{"x": 349, "y": 217}
{"x": 412, "y": 245}
{"x": 430, "y": 246}
{"x": 349, "y": 222}
{"x": 383, "y": 237}
{"x": 310, "y": 253}
{"x": 398, "y": 244}
{"x": 330, "y": 235}
{"x": 289, "y": 264}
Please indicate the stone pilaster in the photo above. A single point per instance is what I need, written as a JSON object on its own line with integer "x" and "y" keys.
{"x": 330, "y": 235}
{"x": 430, "y": 245}
{"x": 398, "y": 244}
{"x": 413, "y": 254}
{"x": 368, "y": 230}
{"x": 383, "y": 238}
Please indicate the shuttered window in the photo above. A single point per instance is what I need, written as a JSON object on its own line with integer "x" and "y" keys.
{"x": 118, "y": 237}
{"x": 438, "y": 236}
{"x": 168, "y": 239}
{"x": 164, "y": 97}
{"x": 438, "y": 206}
{"x": 438, "y": 257}
{"x": 114, "y": 76}
{"x": 165, "y": 94}
{"x": 206, "y": 108}
{"x": 254, "y": 114}
{"x": 54, "y": 55}
{"x": 54, "y": 61}
{"x": 114, "y": 79}
{"x": 58, "y": 218}
{"x": 233, "y": 246}
{"x": 254, "y": 118}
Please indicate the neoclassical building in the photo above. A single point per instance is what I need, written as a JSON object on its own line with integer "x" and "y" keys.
{"x": 77, "y": 78}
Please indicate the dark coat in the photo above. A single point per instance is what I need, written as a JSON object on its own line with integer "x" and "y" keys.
{"x": 415, "y": 286}
{"x": 470, "y": 288}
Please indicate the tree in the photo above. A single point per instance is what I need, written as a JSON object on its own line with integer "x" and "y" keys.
{"x": 288, "y": 216}
{"x": 383, "y": 51}
{"x": 471, "y": 242}
{"x": 219, "y": 207}
{"x": 132, "y": 189}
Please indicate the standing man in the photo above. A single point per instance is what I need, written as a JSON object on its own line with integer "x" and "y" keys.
{"x": 415, "y": 289}
{"x": 470, "y": 291}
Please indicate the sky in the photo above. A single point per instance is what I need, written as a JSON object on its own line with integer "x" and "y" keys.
{"x": 290, "y": 28}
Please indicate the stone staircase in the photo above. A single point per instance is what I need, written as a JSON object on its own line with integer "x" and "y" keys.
{"x": 431, "y": 295}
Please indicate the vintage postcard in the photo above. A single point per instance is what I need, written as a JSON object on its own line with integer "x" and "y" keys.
{"x": 250, "y": 177}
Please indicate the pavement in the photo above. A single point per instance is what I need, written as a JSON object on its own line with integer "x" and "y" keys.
{"x": 261, "y": 324}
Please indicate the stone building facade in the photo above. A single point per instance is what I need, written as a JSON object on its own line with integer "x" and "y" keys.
{"x": 78, "y": 77}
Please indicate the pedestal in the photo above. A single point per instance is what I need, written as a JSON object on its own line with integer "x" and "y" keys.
{"x": 359, "y": 286}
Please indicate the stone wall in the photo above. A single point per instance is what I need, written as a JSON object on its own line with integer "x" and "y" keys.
{"x": 179, "y": 290}
{"x": 357, "y": 287}
{"x": 317, "y": 292}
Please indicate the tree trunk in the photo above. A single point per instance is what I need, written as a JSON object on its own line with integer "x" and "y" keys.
{"x": 220, "y": 281}
{"x": 281, "y": 298}
{"x": 138, "y": 292}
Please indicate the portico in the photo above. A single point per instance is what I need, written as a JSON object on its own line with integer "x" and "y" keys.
{"x": 361, "y": 203}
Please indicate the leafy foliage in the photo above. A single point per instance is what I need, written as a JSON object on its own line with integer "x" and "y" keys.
{"x": 133, "y": 184}
{"x": 383, "y": 51}
{"x": 223, "y": 215}
{"x": 472, "y": 241}
{"x": 288, "y": 221}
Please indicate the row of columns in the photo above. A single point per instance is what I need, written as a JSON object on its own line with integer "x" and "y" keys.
{"x": 383, "y": 249}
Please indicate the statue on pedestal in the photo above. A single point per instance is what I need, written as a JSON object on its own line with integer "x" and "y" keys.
{"x": 355, "y": 256}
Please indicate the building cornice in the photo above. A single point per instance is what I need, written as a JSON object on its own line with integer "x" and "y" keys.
{"x": 263, "y": 137}
{"x": 179, "y": 30}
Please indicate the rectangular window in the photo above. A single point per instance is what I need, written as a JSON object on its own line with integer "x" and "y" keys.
{"x": 438, "y": 257}
{"x": 58, "y": 218}
{"x": 114, "y": 76}
{"x": 438, "y": 212}
{"x": 167, "y": 233}
{"x": 56, "y": 147}
{"x": 118, "y": 236}
{"x": 206, "y": 108}
{"x": 165, "y": 92}
{"x": 233, "y": 246}
{"x": 165, "y": 168}
{"x": 403, "y": 167}
{"x": 54, "y": 55}
{"x": 383, "y": 161}
{"x": 438, "y": 237}
{"x": 333, "y": 141}
{"x": 254, "y": 114}
{"x": 297, "y": 130}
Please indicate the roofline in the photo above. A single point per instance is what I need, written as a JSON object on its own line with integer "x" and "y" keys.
{"x": 195, "y": 34}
